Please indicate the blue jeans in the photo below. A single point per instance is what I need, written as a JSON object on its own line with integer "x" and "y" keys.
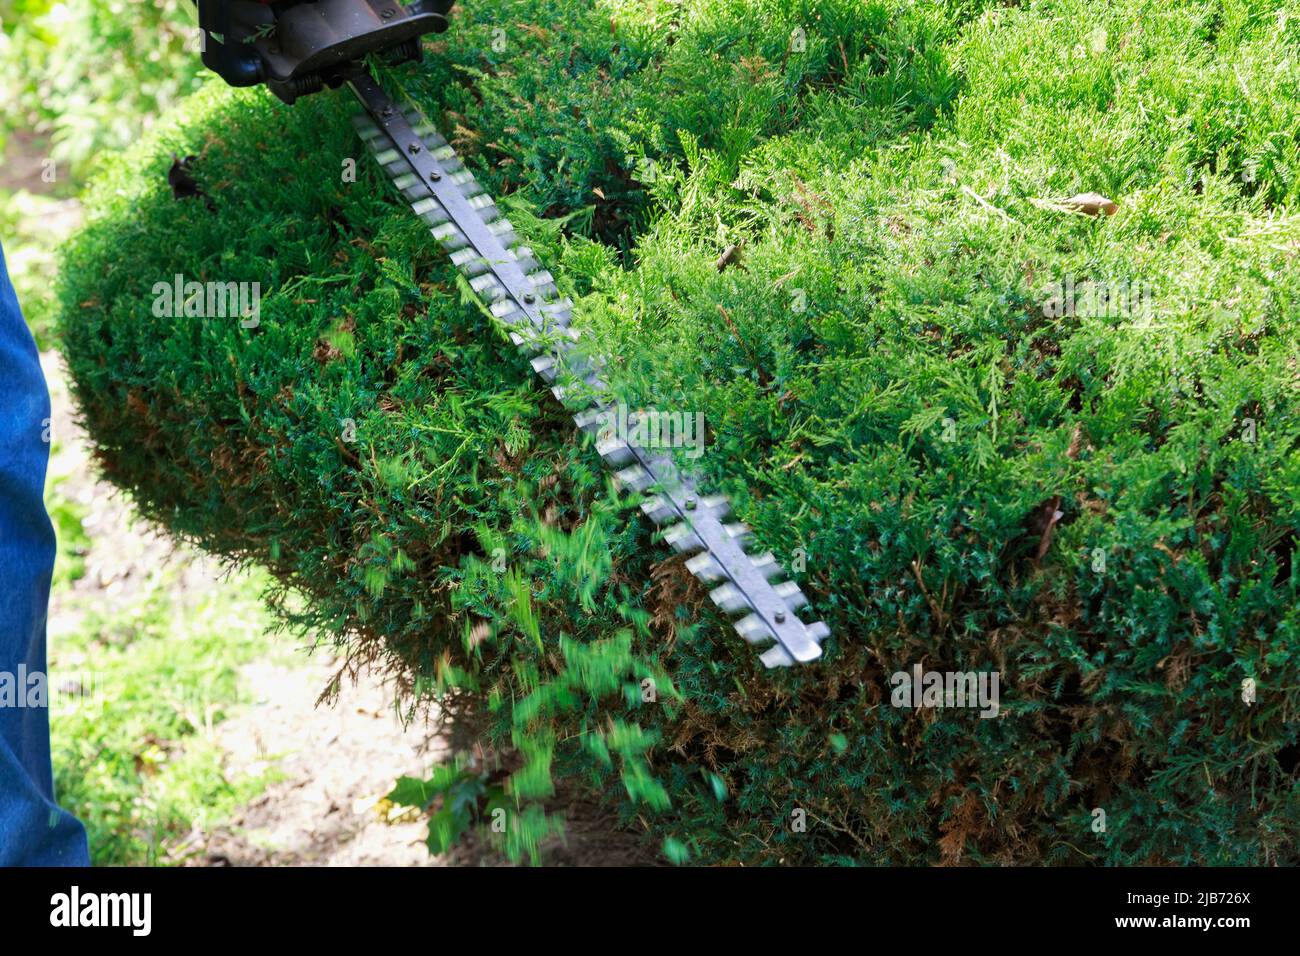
{"x": 33, "y": 830}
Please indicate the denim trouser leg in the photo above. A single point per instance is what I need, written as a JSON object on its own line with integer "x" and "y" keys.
{"x": 33, "y": 830}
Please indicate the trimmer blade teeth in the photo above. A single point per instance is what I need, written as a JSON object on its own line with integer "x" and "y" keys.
{"x": 634, "y": 478}
{"x": 754, "y": 629}
{"x": 775, "y": 656}
{"x": 766, "y": 565}
{"x": 544, "y": 365}
{"x": 705, "y": 567}
{"x": 614, "y": 451}
{"x": 683, "y": 540}
{"x": 592, "y": 420}
{"x": 524, "y": 298}
{"x": 730, "y": 598}
{"x": 793, "y": 597}
{"x": 659, "y": 509}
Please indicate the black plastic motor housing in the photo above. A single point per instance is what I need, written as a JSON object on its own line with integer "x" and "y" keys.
{"x": 300, "y": 47}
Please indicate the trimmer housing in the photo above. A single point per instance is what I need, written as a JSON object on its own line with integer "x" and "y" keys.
{"x": 298, "y": 48}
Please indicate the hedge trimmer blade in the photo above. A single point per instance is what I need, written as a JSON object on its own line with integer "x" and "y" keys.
{"x": 523, "y": 296}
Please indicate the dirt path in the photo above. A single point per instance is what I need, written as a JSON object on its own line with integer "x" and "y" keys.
{"x": 338, "y": 763}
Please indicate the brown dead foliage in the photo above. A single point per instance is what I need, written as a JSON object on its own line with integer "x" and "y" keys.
{"x": 673, "y": 587}
{"x": 966, "y": 822}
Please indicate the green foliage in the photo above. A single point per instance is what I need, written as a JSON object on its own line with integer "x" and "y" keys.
{"x": 33, "y": 228}
{"x": 464, "y": 797}
{"x": 79, "y": 77}
{"x": 90, "y": 74}
{"x": 890, "y": 394}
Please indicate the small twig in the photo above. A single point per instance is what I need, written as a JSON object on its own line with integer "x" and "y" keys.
{"x": 726, "y": 316}
{"x": 986, "y": 204}
{"x": 925, "y": 592}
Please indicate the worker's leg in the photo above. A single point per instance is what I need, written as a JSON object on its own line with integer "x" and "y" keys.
{"x": 33, "y": 830}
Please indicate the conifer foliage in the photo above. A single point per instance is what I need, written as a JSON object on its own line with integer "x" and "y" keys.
{"x": 992, "y": 427}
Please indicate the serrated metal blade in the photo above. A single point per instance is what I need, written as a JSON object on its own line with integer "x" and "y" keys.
{"x": 523, "y": 295}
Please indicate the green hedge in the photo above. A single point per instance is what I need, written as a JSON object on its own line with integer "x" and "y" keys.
{"x": 1099, "y": 503}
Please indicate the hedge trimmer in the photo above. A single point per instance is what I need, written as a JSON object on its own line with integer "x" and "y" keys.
{"x": 298, "y": 48}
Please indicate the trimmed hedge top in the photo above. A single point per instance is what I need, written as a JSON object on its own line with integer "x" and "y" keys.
{"x": 991, "y": 433}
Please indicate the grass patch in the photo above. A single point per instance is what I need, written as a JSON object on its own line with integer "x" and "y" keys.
{"x": 137, "y": 760}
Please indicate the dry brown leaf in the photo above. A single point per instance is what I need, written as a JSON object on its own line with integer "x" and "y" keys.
{"x": 1076, "y": 441}
{"x": 1092, "y": 204}
{"x": 730, "y": 256}
{"x": 1083, "y": 204}
{"x": 1046, "y": 518}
